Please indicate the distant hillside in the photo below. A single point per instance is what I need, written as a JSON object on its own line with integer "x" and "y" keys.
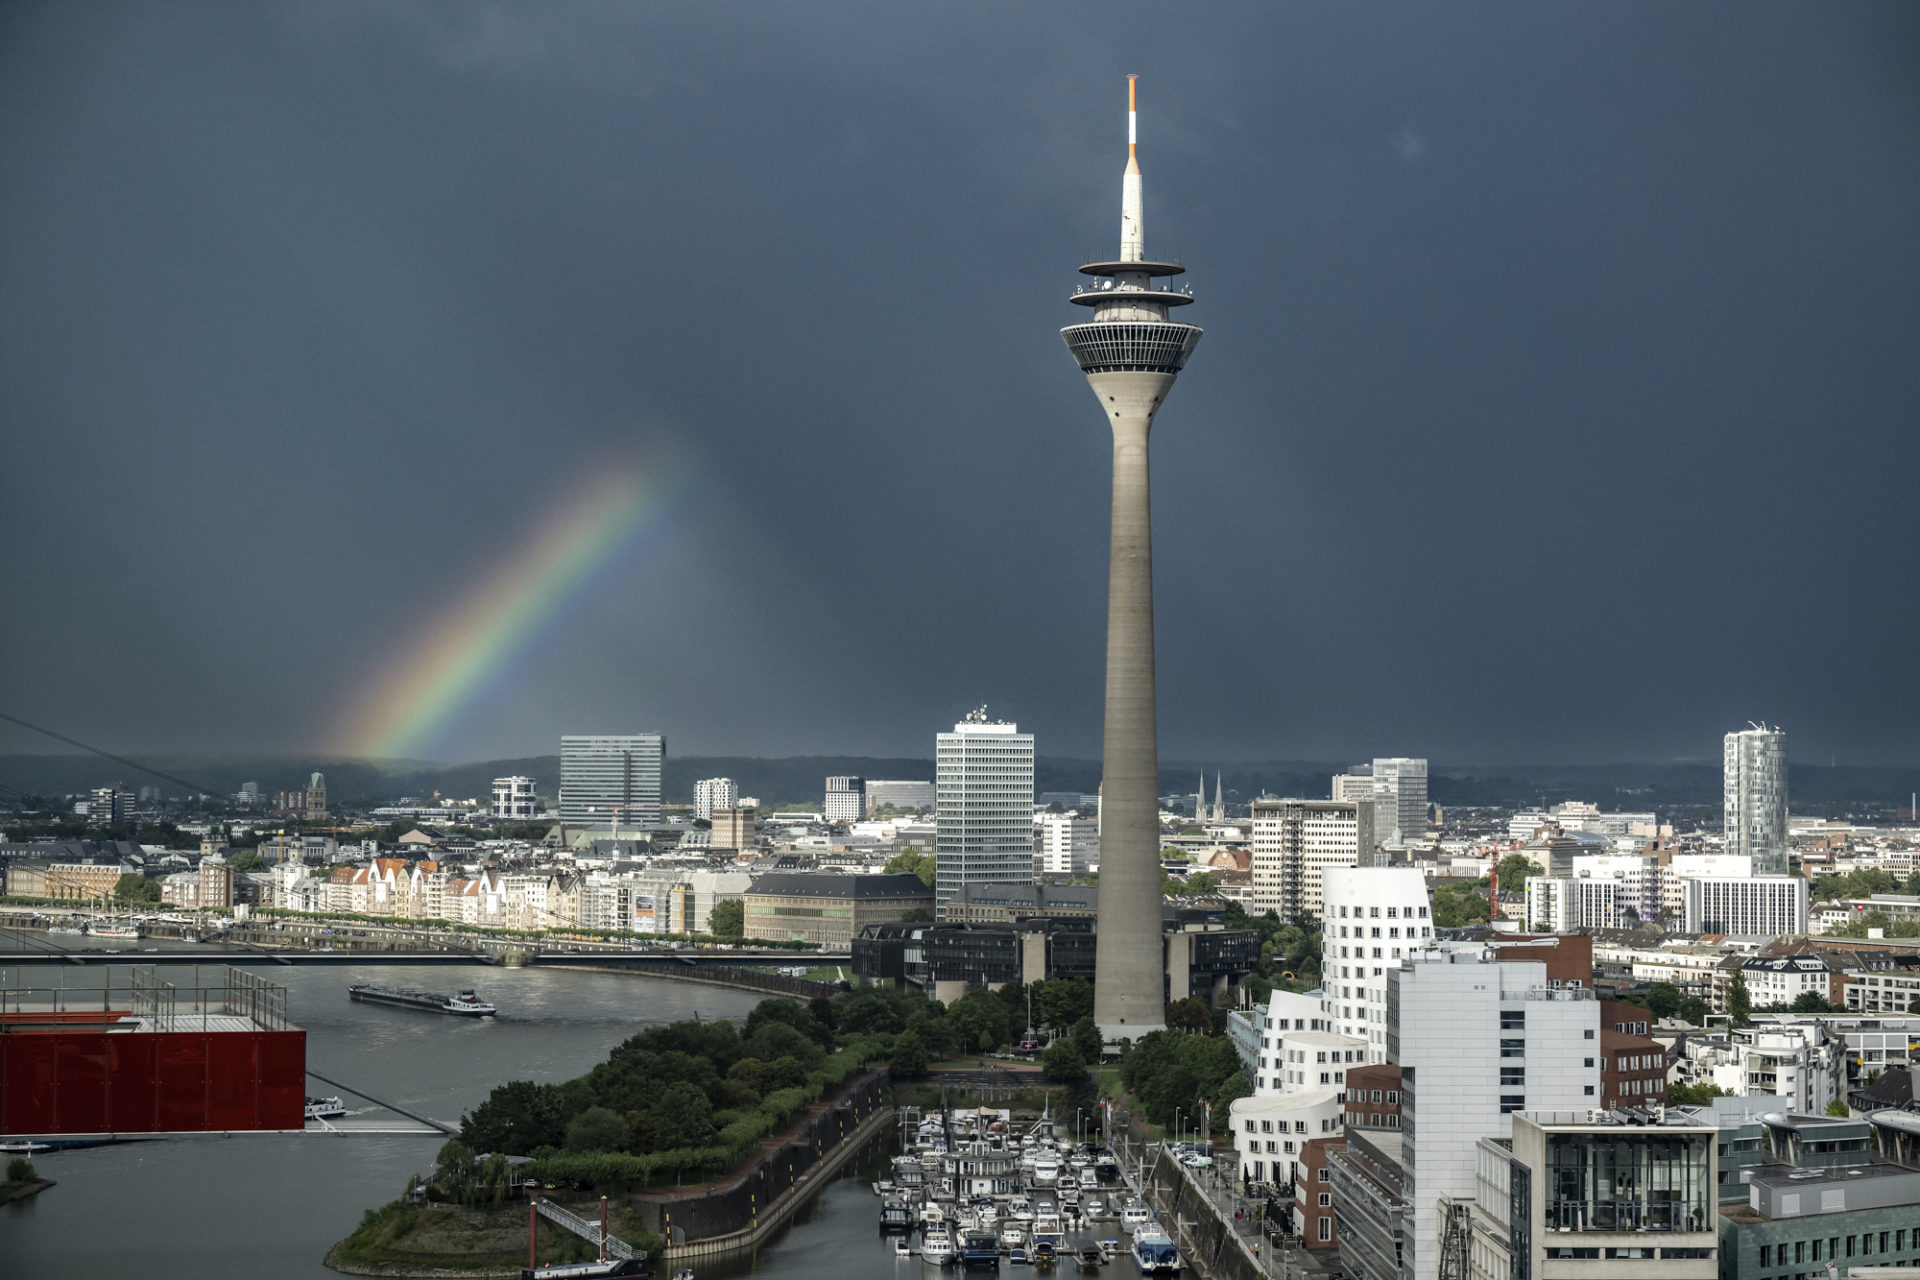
{"x": 1864, "y": 791}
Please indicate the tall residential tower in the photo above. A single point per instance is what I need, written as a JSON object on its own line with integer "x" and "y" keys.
{"x": 1131, "y": 352}
{"x": 1754, "y": 784}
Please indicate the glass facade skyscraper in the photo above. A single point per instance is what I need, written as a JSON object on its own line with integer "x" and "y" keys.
{"x": 1755, "y": 787}
{"x": 609, "y": 779}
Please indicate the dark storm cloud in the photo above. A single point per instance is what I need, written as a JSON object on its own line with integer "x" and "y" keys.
{"x": 1556, "y": 400}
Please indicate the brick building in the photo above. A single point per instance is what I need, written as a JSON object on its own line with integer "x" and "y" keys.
{"x": 1373, "y": 1097}
{"x": 1633, "y": 1065}
{"x": 1313, "y": 1223}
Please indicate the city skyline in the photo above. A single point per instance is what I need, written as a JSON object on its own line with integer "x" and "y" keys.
{"x": 1516, "y": 396}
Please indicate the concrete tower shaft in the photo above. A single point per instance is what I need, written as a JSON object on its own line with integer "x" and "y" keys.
{"x": 1131, "y": 352}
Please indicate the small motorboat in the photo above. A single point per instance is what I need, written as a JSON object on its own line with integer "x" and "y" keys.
{"x": 901, "y": 1249}
{"x": 684, "y": 1273}
{"x": 1090, "y": 1258}
{"x": 1017, "y": 1258}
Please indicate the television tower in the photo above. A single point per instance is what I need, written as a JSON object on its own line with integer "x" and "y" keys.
{"x": 1131, "y": 353}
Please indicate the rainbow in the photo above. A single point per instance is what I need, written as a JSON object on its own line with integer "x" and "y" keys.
{"x": 482, "y": 637}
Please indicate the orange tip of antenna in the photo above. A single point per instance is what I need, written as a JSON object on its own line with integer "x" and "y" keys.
{"x": 1132, "y": 83}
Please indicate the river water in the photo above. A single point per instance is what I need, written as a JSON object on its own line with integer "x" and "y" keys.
{"x": 264, "y": 1206}
{"x": 270, "y": 1205}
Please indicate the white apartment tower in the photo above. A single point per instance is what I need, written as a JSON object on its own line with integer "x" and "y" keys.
{"x": 513, "y": 799}
{"x": 984, "y": 827}
{"x": 1375, "y": 918}
{"x": 609, "y": 780}
{"x": 1477, "y": 1040}
{"x": 1754, "y": 780}
{"x": 714, "y": 793}
{"x": 1295, "y": 841}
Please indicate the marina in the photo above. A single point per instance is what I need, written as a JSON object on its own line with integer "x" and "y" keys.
{"x": 982, "y": 1192}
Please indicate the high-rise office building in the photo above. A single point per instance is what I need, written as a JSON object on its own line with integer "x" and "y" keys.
{"x": 513, "y": 799}
{"x": 714, "y": 793}
{"x": 734, "y": 829}
{"x": 1477, "y": 1040}
{"x": 984, "y": 831}
{"x": 1400, "y": 793}
{"x": 1754, "y": 782}
{"x": 1131, "y": 352}
{"x": 1295, "y": 841}
{"x": 846, "y": 800}
{"x": 109, "y": 806}
{"x": 1374, "y": 918}
{"x": 609, "y": 780}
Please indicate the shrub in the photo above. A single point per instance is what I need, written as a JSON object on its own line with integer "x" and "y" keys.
{"x": 20, "y": 1169}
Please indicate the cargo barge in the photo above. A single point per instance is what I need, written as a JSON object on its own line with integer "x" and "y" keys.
{"x": 466, "y": 1004}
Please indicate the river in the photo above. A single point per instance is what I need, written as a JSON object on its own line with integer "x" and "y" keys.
{"x": 270, "y": 1205}
{"x": 263, "y": 1206}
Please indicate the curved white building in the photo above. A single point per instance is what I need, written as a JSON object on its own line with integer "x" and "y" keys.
{"x": 1374, "y": 917}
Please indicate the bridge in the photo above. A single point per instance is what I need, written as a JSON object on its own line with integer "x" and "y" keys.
{"x": 639, "y": 960}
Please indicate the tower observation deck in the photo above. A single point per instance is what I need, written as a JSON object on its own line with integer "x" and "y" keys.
{"x": 1131, "y": 351}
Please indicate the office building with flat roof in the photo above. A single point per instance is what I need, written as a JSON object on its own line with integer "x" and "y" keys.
{"x": 611, "y": 780}
{"x": 985, "y": 780}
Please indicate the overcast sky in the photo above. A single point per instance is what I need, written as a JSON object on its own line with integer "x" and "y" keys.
{"x": 1557, "y": 400}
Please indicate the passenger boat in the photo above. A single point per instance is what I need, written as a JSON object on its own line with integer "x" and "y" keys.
{"x": 1020, "y": 1209}
{"x": 895, "y": 1215}
{"x": 883, "y": 1188}
{"x": 114, "y": 929}
{"x": 936, "y": 1246}
{"x": 1135, "y": 1216}
{"x": 325, "y": 1108}
{"x": 1155, "y": 1253}
{"x": 466, "y": 1004}
{"x": 1012, "y": 1234}
{"x": 932, "y": 1214}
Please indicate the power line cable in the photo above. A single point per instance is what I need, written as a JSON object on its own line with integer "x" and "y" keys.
{"x": 108, "y": 755}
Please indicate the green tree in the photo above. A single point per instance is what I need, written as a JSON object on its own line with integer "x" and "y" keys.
{"x": 453, "y": 1170}
{"x": 729, "y": 918}
{"x": 909, "y": 1060}
{"x": 1232, "y": 1090}
{"x": 20, "y": 1169}
{"x": 683, "y": 1118}
{"x": 918, "y": 915}
{"x": 1693, "y": 1095}
{"x": 136, "y": 891}
{"x": 597, "y": 1129}
{"x": 1811, "y": 1002}
{"x": 1458, "y": 905}
{"x": 1663, "y": 1000}
{"x": 1062, "y": 1063}
{"x": 1087, "y": 1039}
{"x": 1192, "y": 1014}
{"x": 1515, "y": 869}
{"x": 1203, "y": 882}
{"x": 919, "y": 864}
{"x": 1838, "y": 1108}
{"x": 1694, "y": 1010}
{"x": 1739, "y": 1003}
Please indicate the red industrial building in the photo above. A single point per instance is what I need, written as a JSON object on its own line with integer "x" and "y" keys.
{"x": 150, "y": 1056}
